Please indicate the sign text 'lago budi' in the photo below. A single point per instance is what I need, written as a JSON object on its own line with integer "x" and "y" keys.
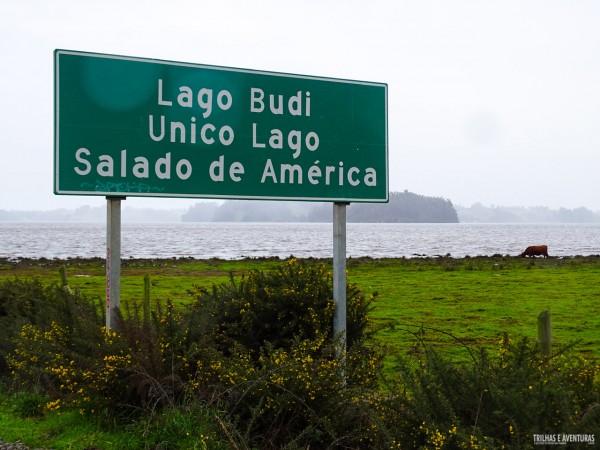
{"x": 141, "y": 127}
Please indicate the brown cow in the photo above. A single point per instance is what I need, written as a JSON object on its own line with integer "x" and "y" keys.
{"x": 536, "y": 250}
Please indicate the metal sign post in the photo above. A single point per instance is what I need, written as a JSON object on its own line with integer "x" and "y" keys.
{"x": 339, "y": 274}
{"x": 113, "y": 260}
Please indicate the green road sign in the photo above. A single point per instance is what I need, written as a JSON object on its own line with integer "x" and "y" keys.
{"x": 129, "y": 126}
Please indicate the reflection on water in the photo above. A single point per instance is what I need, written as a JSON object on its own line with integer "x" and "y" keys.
{"x": 240, "y": 240}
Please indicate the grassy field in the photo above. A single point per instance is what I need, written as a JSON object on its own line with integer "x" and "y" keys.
{"x": 451, "y": 303}
{"x": 479, "y": 299}
{"x": 474, "y": 300}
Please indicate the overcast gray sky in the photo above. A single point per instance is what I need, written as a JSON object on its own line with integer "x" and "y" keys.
{"x": 495, "y": 102}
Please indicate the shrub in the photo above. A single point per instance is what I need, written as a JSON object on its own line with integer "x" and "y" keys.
{"x": 278, "y": 371}
{"x": 28, "y": 404}
{"x": 28, "y": 302}
{"x": 276, "y": 308}
{"x": 73, "y": 369}
{"x": 493, "y": 401}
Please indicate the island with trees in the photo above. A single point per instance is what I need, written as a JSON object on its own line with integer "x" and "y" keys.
{"x": 403, "y": 207}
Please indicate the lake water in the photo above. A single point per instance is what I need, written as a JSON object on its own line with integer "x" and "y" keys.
{"x": 241, "y": 240}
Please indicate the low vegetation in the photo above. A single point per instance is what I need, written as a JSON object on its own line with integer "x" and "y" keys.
{"x": 242, "y": 355}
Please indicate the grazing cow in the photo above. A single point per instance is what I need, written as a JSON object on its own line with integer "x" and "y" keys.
{"x": 536, "y": 250}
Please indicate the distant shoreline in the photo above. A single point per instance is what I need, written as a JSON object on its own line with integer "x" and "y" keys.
{"x": 128, "y": 262}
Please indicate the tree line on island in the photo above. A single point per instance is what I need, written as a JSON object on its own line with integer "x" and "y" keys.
{"x": 478, "y": 213}
{"x": 404, "y": 207}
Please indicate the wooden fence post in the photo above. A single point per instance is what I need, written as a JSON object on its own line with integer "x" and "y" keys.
{"x": 146, "y": 304}
{"x": 545, "y": 332}
{"x": 64, "y": 280}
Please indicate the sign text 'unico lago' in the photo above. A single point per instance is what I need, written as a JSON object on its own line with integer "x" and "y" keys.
{"x": 142, "y": 127}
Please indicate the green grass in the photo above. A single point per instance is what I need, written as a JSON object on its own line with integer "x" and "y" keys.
{"x": 170, "y": 278}
{"x": 474, "y": 299}
{"x": 172, "y": 428}
{"x": 478, "y": 299}
{"x": 67, "y": 430}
